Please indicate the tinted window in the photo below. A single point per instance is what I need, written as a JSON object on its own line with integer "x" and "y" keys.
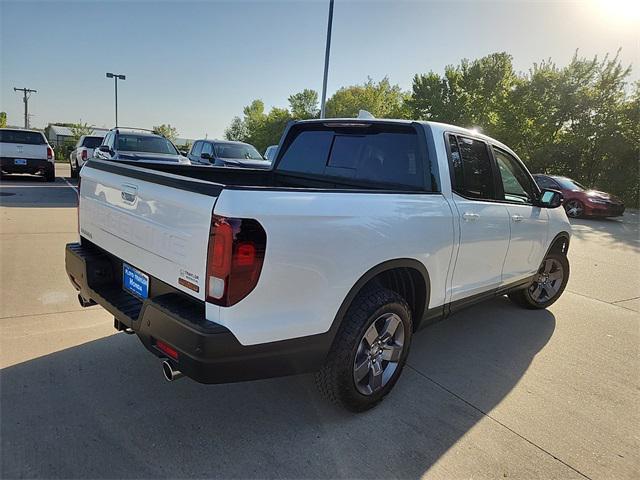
{"x": 145, "y": 143}
{"x": 569, "y": 184}
{"x": 21, "y": 136}
{"x": 196, "y": 149}
{"x": 207, "y": 148}
{"x": 381, "y": 154}
{"x": 231, "y": 150}
{"x": 472, "y": 176}
{"x": 545, "y": 182}
{"x": 515, "y": 180}
{"x": 92, "y": 142}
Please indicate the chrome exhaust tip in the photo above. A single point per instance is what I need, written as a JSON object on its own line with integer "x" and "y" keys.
{"x": 170, "y": 373}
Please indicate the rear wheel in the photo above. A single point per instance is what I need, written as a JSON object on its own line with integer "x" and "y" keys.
{"x": 548, "y": 285}
{"x": 574, "y": 208}
{"x": 74, "y": 171}
{"x": 50, "y": 175}
{"x": 369, "y": 351}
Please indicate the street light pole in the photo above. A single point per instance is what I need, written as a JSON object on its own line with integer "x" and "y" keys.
{"x": 326, "y": 61}
{"x": 115, "y": 76}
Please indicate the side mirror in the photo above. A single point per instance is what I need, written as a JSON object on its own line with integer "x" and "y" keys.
{"x": 205, "y": 156}
{"x": 105, "y": 149}
{"x": 550, "y": 198}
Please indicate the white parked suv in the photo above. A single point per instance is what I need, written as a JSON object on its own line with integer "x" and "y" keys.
{"x": 26, "y": 151}
{"x": 82, "y": 152}
{"x": 362, "y": 232}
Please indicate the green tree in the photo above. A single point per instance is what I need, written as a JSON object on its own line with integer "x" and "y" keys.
{"x": 79, "y": 129}
{"x": 381, "y": 99}
{"x": 304, "y": 104}
{"x": 167, "y": 131}
{"x": 237, "y": 130}
{"x": 3, "y": 119}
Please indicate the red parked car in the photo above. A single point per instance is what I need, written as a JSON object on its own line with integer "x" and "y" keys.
{"x": 580, "y": 201}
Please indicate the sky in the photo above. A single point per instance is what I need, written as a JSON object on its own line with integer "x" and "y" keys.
{"x": 195, "y": 65}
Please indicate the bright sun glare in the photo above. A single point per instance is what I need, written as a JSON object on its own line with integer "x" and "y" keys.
{"x": 618, "y": 10}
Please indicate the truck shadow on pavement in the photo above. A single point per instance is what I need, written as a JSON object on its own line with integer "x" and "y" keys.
{"x": 103, "y": 410}
{"x": 27, "y": 191}
{"x": 617, "y": 232}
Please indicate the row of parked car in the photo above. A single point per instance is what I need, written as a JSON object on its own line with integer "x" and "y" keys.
{"x": 135, "y": 144}
{"x": 27, "y": 151}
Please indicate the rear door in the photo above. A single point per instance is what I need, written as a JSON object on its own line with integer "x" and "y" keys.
{"x": 529, "y": 224}
{"x": 484, "y": 222}
{"x": 22, "y": 144}
{"x": 157, "y": 223}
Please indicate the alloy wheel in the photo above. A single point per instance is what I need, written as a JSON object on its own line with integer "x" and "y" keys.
{"x": 379, "y": 353}
{"x": 548, "y": 281}
{"x": 574, "y": 208}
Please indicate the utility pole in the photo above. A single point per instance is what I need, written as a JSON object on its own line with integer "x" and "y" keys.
{"x": 26, "y": 93}
{"x": 115, "y": 76}
{"x": 326, "y": 60}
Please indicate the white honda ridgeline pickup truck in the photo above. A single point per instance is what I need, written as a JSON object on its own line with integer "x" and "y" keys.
{"x": 361, "y": 233}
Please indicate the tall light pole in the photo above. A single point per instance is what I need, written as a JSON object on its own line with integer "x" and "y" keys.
{"x": 26, "y": 93}
{"x": 115, "y": 76}
{"x": 326, "y": 60}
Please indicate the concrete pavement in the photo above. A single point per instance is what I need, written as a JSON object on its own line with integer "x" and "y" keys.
{"x": 495, "y": 391}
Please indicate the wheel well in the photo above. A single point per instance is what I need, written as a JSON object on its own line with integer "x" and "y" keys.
{"x": 410, "y": 284}
{"x": 560, "y": 244}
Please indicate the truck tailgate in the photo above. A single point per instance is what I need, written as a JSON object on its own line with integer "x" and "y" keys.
{"x": 156, "y": 222}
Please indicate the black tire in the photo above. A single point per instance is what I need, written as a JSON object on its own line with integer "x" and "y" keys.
{"x": 336, "y": 379}
{"x": 574, "y": 208}
{"x": 526, "y": 297}
{"x": 74, "y": 171}
{"x": 50, "y": 175}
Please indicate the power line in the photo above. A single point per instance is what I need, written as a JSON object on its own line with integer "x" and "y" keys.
{"x": 26, "y": 94}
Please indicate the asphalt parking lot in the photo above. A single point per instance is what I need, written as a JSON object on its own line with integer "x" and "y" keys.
{"x": 493, "y": 392}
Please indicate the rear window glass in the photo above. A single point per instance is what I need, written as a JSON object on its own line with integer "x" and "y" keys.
{"x": 230, "y": 150}
{"x": 92, "y": 142}
{"x": 145, "y": 143}
{"x": 377, "y": 154}
{"x": 21, "y": 136}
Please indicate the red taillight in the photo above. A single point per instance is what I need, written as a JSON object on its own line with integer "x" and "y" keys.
{"x": 49, "y": 153}
{"x": 234, "y": 259}
{"x": 84, "y": 154}
{"x": 164, "y": 348}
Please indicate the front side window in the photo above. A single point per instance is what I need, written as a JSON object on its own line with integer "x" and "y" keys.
{"x": 207, "y": 148}
{"x": 145, "y": 144}
{"x": 545, "y": 182}
{"x": 472, "y": 175}
{"x": 515, "y": 180}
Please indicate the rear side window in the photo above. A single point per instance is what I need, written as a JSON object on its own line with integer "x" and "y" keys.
{"x": 381, "y": 155}
{"x": 472, "y": 175}
{"x": 92, "y": 142}
{"x": 22, "y": 136}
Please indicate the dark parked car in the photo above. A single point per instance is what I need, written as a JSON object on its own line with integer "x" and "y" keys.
{"x": 223, "y": 153}
{"x": 138, "y": 145}
{"x": 579, "y": 201}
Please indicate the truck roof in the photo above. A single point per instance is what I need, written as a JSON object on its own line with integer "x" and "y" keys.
{"x": 437, "y": 128}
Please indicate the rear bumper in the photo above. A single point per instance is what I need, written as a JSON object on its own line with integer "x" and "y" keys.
{"x": 207, "y": 352}
{"x": 33, "y": 166}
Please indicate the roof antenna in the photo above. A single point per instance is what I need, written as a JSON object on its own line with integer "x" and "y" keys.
{"x": 363, "y": 114}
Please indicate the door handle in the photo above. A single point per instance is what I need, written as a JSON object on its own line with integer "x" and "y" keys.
{"x": 469, "y": 217}
{"x": 517, "y": 218}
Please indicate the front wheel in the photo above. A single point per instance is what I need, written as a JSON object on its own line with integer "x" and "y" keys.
{"x": 548, "y": 285}
{"x": 369, "y": 351}
{"x": 574, "y": 208}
